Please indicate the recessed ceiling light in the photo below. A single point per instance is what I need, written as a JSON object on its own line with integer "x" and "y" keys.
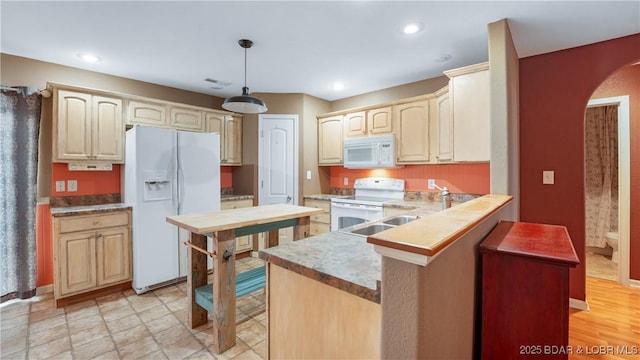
{"x": 412, "y": 28}
{"x": 337, "y": 86}
{"x": 89, "y": 58}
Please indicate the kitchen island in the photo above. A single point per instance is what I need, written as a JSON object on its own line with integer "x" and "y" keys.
{"x": 335, "y": 296}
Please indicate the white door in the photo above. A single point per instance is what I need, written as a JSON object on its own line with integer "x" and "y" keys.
{"x": 278, "y": 163}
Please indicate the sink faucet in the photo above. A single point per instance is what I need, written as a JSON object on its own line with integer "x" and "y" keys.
{"x": 445, "y": 195}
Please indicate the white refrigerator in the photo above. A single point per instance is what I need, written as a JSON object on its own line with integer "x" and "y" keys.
{"x": 167, "y": 172}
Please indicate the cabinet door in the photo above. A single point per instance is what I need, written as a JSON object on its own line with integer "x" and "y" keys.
{"x": 232, "y": 141}
{"x": 185, "y": 119}
{"x": 330, "y": 140}
{"x": 412, "y": 129}
{"x": 214, "y": 122}
{"x": 470, "y": 99}
{"x": 355, "y": 124}
{"x": 77, "y": 262}
{"x": 73, "y": 126}
{"x": 444, "y": 129}
{"x": 113, "y": 250}
{"x": 145, "y": 113}
{"x": 379, "y": 121}
{"x": 108, "y": 129}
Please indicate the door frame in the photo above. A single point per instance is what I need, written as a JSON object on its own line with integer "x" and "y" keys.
{"x": 624, "y": 182}
{"x": 261, "y": 119}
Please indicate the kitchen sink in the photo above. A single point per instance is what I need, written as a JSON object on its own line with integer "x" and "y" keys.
{"x": 400, "y": 220}
{"x": 371, "y": 229}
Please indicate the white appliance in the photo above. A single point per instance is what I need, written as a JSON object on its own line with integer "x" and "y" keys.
{"x": 370, "y": 152}
{"x": 167, "y": 172}
{"x": 367, "y": 203}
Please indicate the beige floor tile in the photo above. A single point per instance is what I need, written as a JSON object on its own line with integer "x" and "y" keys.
{"x": 67, "y": 355}
{"x": 112, "y": 301}
{"x": 201, "y": 355}
{"x": 13, "y": 332}
{"x": 156, "y": 355}
{"x": 143, "y": 303}
{"x": 176, "y": 305}
{"x": 20, "y": 355}
{"x": 139, "y": 349}
{"x": 84, "y": 323}
{"x": 13, "y": 344}
{"x": 81, "y": 305}
{"x": 248, "y": 355}
{"x": 251, "y": 332}
{"x": 182, "y": 316}
{"x": 50, "y": 349}
{"x": 46, "y": 324}
{"x": 128, "y": 336}
{"x": 260, "y": 317}
{"x": 83, "y": 312}
{"x": 51, "y": 334}
{"x": 172, "y": 334}
{"x": 90, "y": 334}
{"x": 15, "y": 321}
{"x": 247, "y": 303}
{"x": 117, "y": 313}
{"x": 94, "y": 348}
{"x": 36, "y": 316}
{"x": 261, "y": 349}
{"x": 154, "y": 313}
{"x": 44, "y": 303}
{"x": 240, "y": 347}
{"x": 171, "y": 295}
{"x": 163, "y": 323}
{"x": 182, "y": 348}
{"x": 123, "y": 323}
{"x": 12, "y": 310}
{"x": 111, "y": 355}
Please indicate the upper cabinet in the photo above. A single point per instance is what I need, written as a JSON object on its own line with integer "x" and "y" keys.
{"x": 146, "y": 113}
{"x": 412, "y": 129}
{"x": 355, "y": 124}
{"x": 469, "y": 96}
{"x": 185, "y": 118}
{"x": 444, "y": 126}
{"x": 371, "y": 122}
{"x": 87, "y": 127}
{"x": 330, "y": 136}
{"x": 230, "y": 129}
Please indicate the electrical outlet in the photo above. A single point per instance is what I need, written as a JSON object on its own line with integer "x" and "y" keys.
{"x": 548, "y": 177}
{"x": 345, "y": 181}
{"x": 72, "y": 185}
{"x": 60, "y": 186}
{"x": 431, "y": 184}
{"x": 308, "y": 174}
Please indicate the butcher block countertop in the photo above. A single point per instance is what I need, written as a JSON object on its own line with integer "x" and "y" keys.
{"x": 203, "y": 223}
{"x": 429, "y": 235}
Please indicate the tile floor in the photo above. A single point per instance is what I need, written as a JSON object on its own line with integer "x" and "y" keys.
{"x": 601, "y": 266}
{"x": 125, "y": 325}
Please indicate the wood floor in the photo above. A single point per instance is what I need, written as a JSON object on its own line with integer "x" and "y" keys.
{"x": 611, "y": 329}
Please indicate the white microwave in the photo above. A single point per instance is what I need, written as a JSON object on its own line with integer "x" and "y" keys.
{"x": 370, "y": 152}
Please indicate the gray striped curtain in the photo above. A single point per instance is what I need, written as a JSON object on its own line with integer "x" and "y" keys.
{"x": 19, "y": 130}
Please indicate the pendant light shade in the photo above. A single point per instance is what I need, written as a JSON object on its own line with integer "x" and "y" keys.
{"x": 244, "y": 104}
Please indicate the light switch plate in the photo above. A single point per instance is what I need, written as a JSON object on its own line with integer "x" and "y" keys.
{"x": 548, "y": 177}
{"x": 431, "y": 184}
{"x": 308, "y": 174}
{"x": 345, "y": 181}
{"x": 72, "y": 185}
{"x": 60, "y": 186}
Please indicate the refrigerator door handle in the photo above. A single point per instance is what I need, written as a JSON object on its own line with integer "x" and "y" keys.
{"x": 180, "y": 188}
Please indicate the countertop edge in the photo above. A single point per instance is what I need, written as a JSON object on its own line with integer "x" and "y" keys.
{"x": 88, "y": 209}
{"x": 330, "y": 280}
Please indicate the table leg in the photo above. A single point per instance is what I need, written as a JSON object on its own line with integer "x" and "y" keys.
{"x": 224, "y": 291}
{"x": 273, "y": 238}
{"x": 196, "y": 277}
{"x": 302, "y": 229}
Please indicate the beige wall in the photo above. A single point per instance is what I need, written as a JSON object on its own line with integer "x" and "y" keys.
{"x": 19, "y": 71}
{"x": 390, "y": 94}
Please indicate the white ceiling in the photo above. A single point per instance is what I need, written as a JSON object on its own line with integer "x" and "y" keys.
{"x": 299, "y": 46}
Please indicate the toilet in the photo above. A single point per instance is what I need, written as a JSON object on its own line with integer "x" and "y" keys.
{"x": 612, "y": 240}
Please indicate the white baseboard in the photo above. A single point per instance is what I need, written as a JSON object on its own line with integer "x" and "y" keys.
{"x": 578, "y": 304}
{"x": 634, "y": 283}
{"x": 44, "y": 289}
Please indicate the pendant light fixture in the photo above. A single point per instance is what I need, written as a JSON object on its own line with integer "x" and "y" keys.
{"x": 244, "y": 103}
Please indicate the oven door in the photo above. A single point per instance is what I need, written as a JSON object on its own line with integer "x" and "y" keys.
{"x": 344, "y": 215}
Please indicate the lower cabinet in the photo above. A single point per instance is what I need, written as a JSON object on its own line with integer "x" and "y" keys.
{"x": 243, "y": 243}
{"x": 320, "y": 223}
{"x": 91, "y": 252}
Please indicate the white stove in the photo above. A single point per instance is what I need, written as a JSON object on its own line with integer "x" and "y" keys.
{"x": 367, "y": 203}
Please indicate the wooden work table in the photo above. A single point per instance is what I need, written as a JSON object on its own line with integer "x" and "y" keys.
{"x": 224, "y": 226}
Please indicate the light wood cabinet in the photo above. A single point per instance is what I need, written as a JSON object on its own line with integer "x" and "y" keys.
{"x": 444, "y": 129}
{"x": 412, "y": 130}
{"x": 320, "y": 223}
{"x": 87, "y": 127}
{"x": 147, "y": 113}
{"x": 469, "y": 96}
{"x": 243, "y": 243}
{"x": 355, "y": 124}
{"x": 230, "y": 130}
{"x": 330, "y": 140}
{"x": 183, "y": 118}
{"x": 379, "y": 120}
{"x": 91, "y": 252}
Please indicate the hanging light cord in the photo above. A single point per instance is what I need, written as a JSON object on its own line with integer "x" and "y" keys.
{"x": 245, "y": 67}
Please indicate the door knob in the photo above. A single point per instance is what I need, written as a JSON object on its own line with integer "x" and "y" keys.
{"x": 288, "y": 198}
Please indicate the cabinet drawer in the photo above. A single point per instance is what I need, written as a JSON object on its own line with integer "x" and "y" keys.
{"x": 321, "y": 218}
{"x": 79, "y": 223}
{"x": 236, "y": 204}
{"x": 316, "y": 228}
{"x": 320, "y": 204}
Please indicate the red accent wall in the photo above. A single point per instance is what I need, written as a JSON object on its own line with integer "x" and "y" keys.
{"x": 459, "y": 178}
{"x": 554, "y": 91}
{"x": 226, "y": 176}
{"x": 89, "y": 182}
{"x": 44, "y": 246}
